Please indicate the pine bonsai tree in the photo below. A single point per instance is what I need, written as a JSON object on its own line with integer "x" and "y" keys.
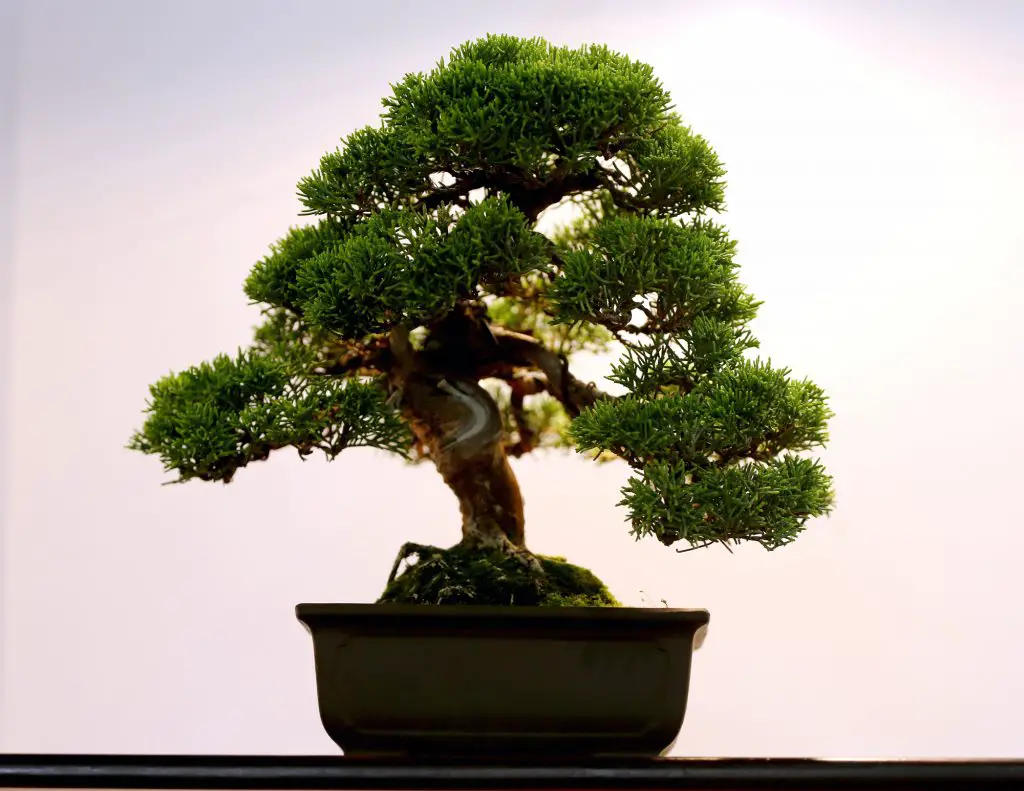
{"x": 423, "y": 313}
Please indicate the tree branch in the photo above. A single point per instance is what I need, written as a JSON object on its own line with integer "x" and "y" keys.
{"x": 457, "y": 193}
{"x": 530, "y": 196}
{"x": 521, "y": 386}
{"x": 346, "y": 360}
{"x": 519, "y": 350}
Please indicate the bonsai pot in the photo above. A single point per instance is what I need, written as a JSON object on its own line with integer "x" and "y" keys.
{"x": 465, "y": 680}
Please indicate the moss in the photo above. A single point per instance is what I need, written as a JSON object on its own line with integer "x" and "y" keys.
{"x": 462, "y": 576}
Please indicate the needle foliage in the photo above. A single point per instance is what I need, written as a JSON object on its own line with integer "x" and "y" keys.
{"x": 435, "y": 208}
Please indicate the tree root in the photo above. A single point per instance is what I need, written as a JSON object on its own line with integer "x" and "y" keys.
{"x": 407, "y": 551}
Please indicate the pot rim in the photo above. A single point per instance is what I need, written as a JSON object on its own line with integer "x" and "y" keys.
{"x": 510, "y": 612}
{"x": 497, "y": 619}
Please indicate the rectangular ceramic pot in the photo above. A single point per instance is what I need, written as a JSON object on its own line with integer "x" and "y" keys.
{"x": 460, "y": 680}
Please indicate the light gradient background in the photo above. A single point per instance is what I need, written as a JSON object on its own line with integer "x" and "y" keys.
{"x": 875, "y": 163}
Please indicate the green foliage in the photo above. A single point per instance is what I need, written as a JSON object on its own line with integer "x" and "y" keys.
{"x": 671, "y": 272}
{"x": 274, "y": 280}
{"x": 211, "y": 419}
{"x": 284, "y": 336}
{"x": 676, "y": 363}
{"x": 504, "y": 111}
{"x": 750, "y": 411}
{"x": 435, "y": 208}
{"x": 713, "y": 450}
{"x": 527, "y": 312}
{"x": 768, "y": 503}
{"x": 376, "y": 168}
{"x": 469, "y": 576}
{"x": 511, "y": 116}
{"x": 525, "y": 104}
{"x": 673, "y": 172}
{"x": 397, "y": 265}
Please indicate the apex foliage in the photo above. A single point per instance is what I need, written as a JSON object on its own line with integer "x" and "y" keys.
{"x": 425, "y": 233}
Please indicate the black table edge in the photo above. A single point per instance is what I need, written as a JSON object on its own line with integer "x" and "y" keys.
{"x": 328, "y": 772}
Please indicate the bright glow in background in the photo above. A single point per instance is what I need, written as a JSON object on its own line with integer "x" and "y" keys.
{"x": 875, "y": 163}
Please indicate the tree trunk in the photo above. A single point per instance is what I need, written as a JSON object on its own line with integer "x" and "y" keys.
{"x": 461, "y": 426}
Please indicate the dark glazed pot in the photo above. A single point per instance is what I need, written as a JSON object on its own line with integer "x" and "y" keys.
{"x": 456, "y": 680}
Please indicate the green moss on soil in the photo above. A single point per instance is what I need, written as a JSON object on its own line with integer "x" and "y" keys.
{"x": 461, "y": 576}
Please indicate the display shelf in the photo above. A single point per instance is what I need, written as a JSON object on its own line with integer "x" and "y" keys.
{"x": 325, "y": 772}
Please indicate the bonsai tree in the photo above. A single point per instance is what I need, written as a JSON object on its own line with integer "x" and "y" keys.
{"x": 424, "y": 313}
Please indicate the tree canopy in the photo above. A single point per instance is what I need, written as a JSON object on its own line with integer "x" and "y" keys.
{"x": 431, "y": 215}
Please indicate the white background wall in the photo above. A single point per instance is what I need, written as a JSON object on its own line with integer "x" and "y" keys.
{"x": 875, "y": 169}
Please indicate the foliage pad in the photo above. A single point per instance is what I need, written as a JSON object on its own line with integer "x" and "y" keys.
{"x": 209, "y": 420}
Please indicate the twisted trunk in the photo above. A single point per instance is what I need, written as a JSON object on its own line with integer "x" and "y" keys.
{"x": 461, "y": 427}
